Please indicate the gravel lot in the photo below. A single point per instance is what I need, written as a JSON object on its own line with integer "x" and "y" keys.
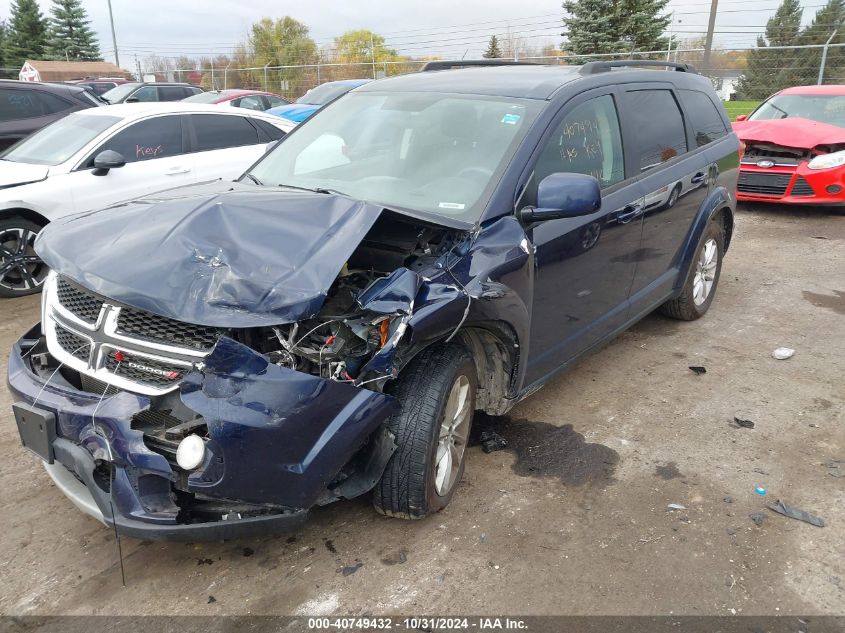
{"x": 571, "y": 519}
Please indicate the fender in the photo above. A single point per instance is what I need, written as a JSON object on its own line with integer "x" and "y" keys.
{"x": 720, "y": 199}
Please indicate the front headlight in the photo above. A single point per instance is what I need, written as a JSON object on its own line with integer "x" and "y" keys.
{"x": 46, "y": 291}
{"x": 827, "y": 161}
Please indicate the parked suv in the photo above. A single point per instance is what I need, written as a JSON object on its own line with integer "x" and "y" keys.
{"x": 136, "y": 92}
{"x": 216, "y": 360}
{"x": 27, "y": 106}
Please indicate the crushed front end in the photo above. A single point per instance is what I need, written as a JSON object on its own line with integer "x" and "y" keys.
{"x": 106, "y": 393}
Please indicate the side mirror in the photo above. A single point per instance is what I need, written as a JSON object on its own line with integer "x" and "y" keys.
{"x": 131, "y": 100}
{"x": 742, "y": 117}
{"x": 564, "y": 195}
{"x": 106, "y": 160}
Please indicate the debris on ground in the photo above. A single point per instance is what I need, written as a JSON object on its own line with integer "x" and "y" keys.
{"x": 676, "y": 506}
{"x": 330, "y": 546}
{"x": 728, "y": 499}
{"x": 698, "y": 370}
{"x": 397, "y": 558}
{"x": 248, "y": 551}
{"x": 745, "y": 424}
{"x": 204, "y": 561}
{"x": 794, "y": 513}
{"x": 731, "y": 531}
{"x": 351, "y": 569}
{"x": 834, "y": 467}
{"x": 211, "y": 599}
{"x": 760, "y": 490}
{"x": 758, "y": 517}
{"x": 492, "y": 442}
{"x": 483, "y": 538}
{"x": 782, "y": 353}
{"x": 760, "y": 471}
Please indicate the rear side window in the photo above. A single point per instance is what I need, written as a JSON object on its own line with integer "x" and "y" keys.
{"x": 705, "y": 119}
{"x": 250, "y": 103}
{"x": 29, "y": 104}
{"x": 657, "y": 127}
{"x": 172, "y": 93}
{"x": 53, "y": 104}
{"x": 269, "y": 129}
{"x": 147, "y": 140}
{"x": 220, "y": 131}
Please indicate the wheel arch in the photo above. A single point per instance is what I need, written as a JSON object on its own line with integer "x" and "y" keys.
{"x": 23, "y": 212}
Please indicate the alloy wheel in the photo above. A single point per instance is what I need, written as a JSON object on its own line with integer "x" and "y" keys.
{"x": 705, "y": 272}
{"x": 452, "y": 440}
{"x": 21, "y": 270}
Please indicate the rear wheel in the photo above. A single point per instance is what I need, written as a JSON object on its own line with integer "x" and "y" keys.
{"x": 436, "y": 394}
{"x": 21, "y": 271}
{"x": 702, "y": 278}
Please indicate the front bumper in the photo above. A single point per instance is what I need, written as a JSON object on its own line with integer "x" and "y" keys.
{"x": 276, "y": 441}
{"x": 800, "y": 185}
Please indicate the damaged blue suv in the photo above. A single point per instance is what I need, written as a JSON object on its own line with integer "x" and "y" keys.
{"x": 214, "y": 361}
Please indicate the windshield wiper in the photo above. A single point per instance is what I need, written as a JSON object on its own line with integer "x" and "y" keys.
{"x": 315, "y": 190}
{"x": 254, "y": 179}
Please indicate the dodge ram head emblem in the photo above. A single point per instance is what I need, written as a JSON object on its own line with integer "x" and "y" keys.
{"x": 765, "y": 164}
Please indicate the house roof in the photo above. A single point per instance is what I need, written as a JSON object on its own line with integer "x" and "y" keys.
{"x": 82, "y": 69}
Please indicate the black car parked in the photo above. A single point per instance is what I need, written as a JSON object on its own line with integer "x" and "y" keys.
{"x": 427, "y": 246}
{"x": 136, "y": 92}
{"x": 27, "y": 106}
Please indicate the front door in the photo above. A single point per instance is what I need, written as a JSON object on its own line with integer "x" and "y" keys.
{"x": 583, "y": 266}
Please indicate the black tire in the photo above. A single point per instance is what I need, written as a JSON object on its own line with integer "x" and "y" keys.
{"x": 684, "y": 306}
{"x": 673, "y": 196}
{"x": 21, "y": 272}
{"x": 407, "y": 488}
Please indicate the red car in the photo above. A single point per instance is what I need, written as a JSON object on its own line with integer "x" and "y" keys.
{"x": 794, "y": 147}
{"x": 250, "y": 99}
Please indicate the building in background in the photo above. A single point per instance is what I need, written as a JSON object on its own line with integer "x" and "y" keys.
{"x": 44, "y": 70}
{"x": 725, "y": 81}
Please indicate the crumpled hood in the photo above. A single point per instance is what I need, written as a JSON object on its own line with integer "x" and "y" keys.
{"x": 297, "y": 112}
{"x": 222, "y": 254}
{"x": 790, "y": 132}
{"x": 12, "y": 174}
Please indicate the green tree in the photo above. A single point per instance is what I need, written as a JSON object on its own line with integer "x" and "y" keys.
{"x": 283, "y": 42}
{"x": 614, "y": 26}
{"x": 493, "y": 51}
{"x": 771, "y": 70}
{"x": 828, "y": 19}
{"x": 2, "y": 44}
{"x": 70, "y": 34}
{"x": 26, "y": 33}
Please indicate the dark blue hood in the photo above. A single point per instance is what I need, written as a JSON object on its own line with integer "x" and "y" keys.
{"x": 223, "y": 254}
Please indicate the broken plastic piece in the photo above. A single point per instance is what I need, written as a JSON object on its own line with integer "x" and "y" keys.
{"x": 760, "y": 490}
{"x": 698, "y": 370}
{"x": 676, "y": 506}
{"x": 782, "y": 353}
{"x": 746, "y": 424}
{"x": 794, "y": 513}
{"x": 492, "y": 442}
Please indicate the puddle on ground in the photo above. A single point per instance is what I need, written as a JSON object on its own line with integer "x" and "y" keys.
{"x": 548, "y": 451}
{"x": 667, "y": 471}
{"x": 835, "y": 302}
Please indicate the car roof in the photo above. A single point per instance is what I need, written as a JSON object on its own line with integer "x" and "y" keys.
{"x": 158, "y": 83}
{"x": 139, "y": 110}
{"x": 57, "y": 86}
{"x": 814, "y": 90}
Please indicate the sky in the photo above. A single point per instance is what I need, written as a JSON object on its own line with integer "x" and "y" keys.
{"x": 448, "y": 28}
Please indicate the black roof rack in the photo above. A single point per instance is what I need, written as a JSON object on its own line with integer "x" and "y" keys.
{"x": 468, "y": 63}
{"x": 591, "y": 68}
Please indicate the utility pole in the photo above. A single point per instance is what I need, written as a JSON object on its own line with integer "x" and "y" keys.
{"x": 824, "y": 57}
{"x": 373, "y": 53}
{"x": 113, "y": 36}
{"x": 138, "y": 69}
{"x": 708, "y": 42}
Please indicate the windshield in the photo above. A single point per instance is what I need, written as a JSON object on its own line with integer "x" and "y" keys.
{"x": 59, "y": 141}
{"x": 321, "y": 95}
{"x": 118, "y": 93}
{"x": 823, "y": 108}
{"x": 435, "y": 153}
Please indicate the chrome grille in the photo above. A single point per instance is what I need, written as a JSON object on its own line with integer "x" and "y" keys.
{"x": 151, "y": 327}
{"x": 81, "y": 303}
{"x": 142, "y": 369}
{"x": 75, "y": 345}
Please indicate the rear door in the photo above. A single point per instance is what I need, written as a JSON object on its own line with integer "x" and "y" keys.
{"x": 583, "y": 266}
{"x": 224, "y": 145}
{"x": 172, "y": 93}
{"x": 154, "y": 150}
{"x": 675, "y": 176}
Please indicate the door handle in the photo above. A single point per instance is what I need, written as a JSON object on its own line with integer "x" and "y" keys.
{"x": 698, "y": 178}
{"x": 174, "y": 171}
{"x": 630, "y": 212}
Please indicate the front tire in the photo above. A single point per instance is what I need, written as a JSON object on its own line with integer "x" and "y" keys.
{"x": 21, "y": 271}
{"x": 702, "y": 278}
{"x": 436, "y": 394}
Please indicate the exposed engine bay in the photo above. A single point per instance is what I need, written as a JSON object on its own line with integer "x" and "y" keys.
{"x": 338, "y": 342}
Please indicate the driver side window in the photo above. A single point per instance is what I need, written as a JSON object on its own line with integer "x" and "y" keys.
{"x": 587, "y": 141}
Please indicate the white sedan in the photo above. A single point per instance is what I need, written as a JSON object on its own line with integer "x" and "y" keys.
{"x": 103, "y": 156}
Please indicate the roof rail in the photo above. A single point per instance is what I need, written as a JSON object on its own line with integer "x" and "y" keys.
{"x": 591, "y": 68}
{"x": 468, "y": 63}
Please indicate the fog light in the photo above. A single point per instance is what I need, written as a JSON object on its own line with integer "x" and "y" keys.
{"x": 190, "y": 452}
{"x": 833, "y": 188}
